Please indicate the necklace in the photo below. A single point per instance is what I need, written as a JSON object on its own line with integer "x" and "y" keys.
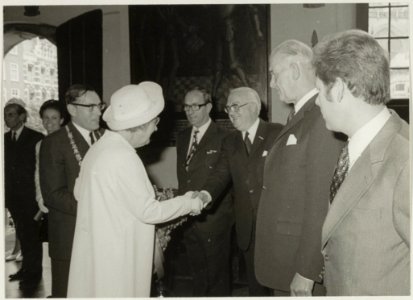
{"x": 74, "y": 146}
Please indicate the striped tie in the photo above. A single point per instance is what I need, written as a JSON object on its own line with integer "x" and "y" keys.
{"x": 193, "y": 149}
{"x": 340, "y": 172}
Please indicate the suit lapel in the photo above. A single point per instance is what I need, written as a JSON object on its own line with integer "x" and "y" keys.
{"x": 359, "y": 179}
{"x": 186, "y": 137}
{"x": 81, "y": 143}
{"x": 209, "y": 134}
{"x": 259, "y": 138}
{"x": 297, "y": 118}
{"x": 206, "y": 140}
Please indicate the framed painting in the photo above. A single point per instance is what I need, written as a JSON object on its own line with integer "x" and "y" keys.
{"x": 213, "y": 47}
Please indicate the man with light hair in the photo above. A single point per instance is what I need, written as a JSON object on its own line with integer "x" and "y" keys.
{"x": 366, "y": 234}
{"x": 113, "y": 244}
{"x": 297, "y": 175}
{"x": 242, "y": 162}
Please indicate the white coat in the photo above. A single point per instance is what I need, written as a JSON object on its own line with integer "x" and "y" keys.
{"x": 114, "y": 237}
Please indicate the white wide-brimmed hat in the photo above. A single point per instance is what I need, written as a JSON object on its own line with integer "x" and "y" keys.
{"x": 134, "y": 105}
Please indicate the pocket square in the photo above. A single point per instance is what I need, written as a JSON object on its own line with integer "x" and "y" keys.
{"x": 292, "y": 140}
{"x": 264, "y": 153}
{"x": 211, "y": 151}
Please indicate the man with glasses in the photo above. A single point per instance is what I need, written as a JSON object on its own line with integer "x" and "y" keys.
{"x": 206, "y": 237}
{"x": 61, "y": 154}
{"x": 297, "y": 177}
{"x": 242, "y": 163}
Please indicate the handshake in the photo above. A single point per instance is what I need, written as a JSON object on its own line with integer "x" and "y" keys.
{"x": 199, "y": 200}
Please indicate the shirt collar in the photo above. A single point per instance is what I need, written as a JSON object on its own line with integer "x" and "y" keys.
{"x": 84, "y": 133}
{"x": 18, "y": 132}
{"x": 252, "y": 131}
{"x": 300, "y": 103}
{"x": 201, "y": 130}
{"x": 362, "y": 138}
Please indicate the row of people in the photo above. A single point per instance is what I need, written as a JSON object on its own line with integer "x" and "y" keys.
{"x": 312, "y": 209}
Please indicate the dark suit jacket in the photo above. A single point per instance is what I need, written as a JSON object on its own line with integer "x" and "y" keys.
{"x": 58, "y": 172}
{"x": 245, "y": 172}
{"x": 203, "y": 163}
{"x": 19, "y": 167}
{"x": 295, "y": 199}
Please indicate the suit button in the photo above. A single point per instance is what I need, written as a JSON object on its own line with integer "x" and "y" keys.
{"x": 188, "y": 181}
{"x": 251, "y": 191}
{"x": 326, "y": 257}
{"x": 264, "y": 187}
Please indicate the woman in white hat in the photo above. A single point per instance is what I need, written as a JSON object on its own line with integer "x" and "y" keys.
{"x": 114, "y": 238}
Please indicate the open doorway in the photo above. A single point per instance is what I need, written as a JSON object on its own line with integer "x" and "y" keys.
{"x": 30, "y": 72}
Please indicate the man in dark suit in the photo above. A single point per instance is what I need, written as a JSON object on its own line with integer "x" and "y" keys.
{"x": 61, "y": 154}
{"x": 20, "y": 197}
{"x": 242, "y": 162}
{"x": 206, "y": 237}
{"x": 297, "y": 176}
{"x": 366, "y": 234}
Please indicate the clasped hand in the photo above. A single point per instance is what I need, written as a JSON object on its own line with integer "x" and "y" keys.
{"x": 201, "y": 200}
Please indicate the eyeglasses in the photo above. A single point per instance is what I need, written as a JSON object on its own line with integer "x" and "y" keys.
{"x": 234, "y": 108}
{"x": 99, "y": 106}
{"x": 194, "y": 107}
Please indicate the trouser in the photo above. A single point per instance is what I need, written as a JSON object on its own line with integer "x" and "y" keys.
{"x": 208, "y": 257}
{"x": 27, "y": 231}
{"x": 60, "y": 277}
{"x": 254, "y": 287}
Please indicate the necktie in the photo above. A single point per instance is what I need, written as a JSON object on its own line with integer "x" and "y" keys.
{"x": 92, "y": 138}
{"x": 247, "y": 143}
{"x": 193, "y": 149}
{"x": 291, "y": 115}
{"x": 340, "y": 172}
{"x": 13, "y": 136}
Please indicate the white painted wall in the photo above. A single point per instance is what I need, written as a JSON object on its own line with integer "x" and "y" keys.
{"x": 293, "y": 21}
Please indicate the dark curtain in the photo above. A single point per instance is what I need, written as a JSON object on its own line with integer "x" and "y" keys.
{"x": 79, "y": 52}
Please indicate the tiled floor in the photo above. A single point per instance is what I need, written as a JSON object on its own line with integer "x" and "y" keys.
{"x": 179, "y": 285}
{"x": 11, "y": 289}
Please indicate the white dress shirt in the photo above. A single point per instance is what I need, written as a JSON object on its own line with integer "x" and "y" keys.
{"x": 17, "y": 132}
{"x": 362, "y": 138}
{"x": 252, "y": 131}
{"x": 300, "y": 103}
{"x": 201, "y": 132}
{"x": 84, "y": 132}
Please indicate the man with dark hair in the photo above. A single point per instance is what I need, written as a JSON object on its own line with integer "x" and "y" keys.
{"x": 366, "y": 234}
{"x": 297, "y": 175}
{"x": 20, "y": 197}
{"x": 61, "y": 154}
{"x": 206, "y": 237}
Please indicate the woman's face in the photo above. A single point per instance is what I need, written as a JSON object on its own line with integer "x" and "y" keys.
{"x": 52, "y": 120}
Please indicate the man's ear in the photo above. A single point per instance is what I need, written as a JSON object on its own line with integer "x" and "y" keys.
{"x": 295, "y": 70}
{"x": 71, "y": 109}
{"x": 338, "y": 89}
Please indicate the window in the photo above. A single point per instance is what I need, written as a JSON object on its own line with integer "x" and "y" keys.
{"x": 389, "y": 24}
{"x": 15, "y": 93}
{"x": 14, "y": 72}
